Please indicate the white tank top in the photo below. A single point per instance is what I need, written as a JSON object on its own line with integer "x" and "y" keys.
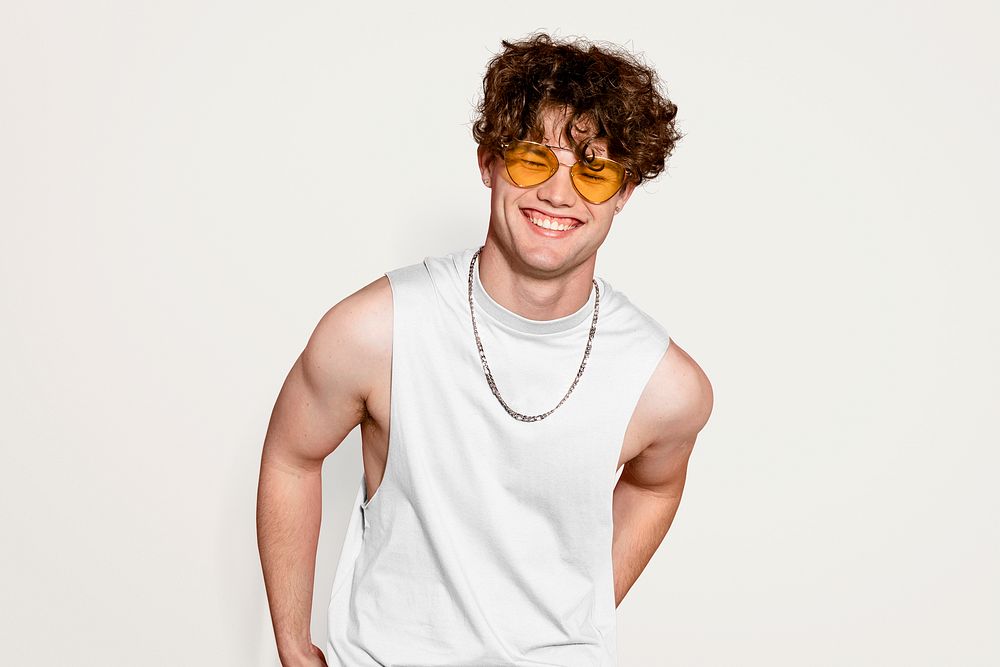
{"x": 488, "y": 541}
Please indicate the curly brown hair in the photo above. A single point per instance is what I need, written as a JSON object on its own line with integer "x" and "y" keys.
{"x": 604, "y": 87}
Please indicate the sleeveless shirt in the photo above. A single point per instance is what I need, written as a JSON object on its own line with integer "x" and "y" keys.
{"x": 488, "y": 540}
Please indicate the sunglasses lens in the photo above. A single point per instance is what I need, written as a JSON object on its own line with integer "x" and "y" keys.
{"x": 599, "y": 180}
{"x": 529, "y": 164}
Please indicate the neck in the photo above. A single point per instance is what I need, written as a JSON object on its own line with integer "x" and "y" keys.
{"x": 531, "y": 292}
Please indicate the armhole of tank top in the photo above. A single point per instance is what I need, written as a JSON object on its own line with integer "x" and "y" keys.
{"x": 366, "y": 502}
{"x": 659, "y": 351}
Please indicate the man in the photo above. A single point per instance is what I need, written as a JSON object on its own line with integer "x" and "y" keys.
{"x": 499, "y": 390}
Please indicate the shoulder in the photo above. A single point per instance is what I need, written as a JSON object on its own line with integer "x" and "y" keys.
{"x": 674, "y": 407}
{"x": 353, "y": 338}
{"x": 680, "y": 392}
{"x": 679, "y": 397}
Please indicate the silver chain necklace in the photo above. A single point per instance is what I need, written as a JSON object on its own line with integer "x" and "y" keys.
{"x": 486, "y": 367}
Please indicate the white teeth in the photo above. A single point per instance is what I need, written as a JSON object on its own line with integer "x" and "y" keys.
{"x": 549, "y": 224}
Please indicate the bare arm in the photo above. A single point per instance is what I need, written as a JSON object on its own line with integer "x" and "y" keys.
{"x": 673, "y": 409}
{"x": 320, "y": 403}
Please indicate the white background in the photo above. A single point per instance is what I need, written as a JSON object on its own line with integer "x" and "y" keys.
{"x": 186, "y": 187}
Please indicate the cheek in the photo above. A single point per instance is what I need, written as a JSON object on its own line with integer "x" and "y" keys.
{"x": 505, "y": 193}
{"x": 498, "y": 172}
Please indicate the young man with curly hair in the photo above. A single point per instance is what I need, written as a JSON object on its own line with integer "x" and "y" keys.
{"x": 499, "y": 390}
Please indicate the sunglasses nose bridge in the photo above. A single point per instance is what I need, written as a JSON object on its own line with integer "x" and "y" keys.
{"x": 556, "y": 157}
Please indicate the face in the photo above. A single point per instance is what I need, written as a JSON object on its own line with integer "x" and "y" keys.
{"x": 515, "y": 211}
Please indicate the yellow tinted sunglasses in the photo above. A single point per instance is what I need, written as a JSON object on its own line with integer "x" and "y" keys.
{"x": 530, "y": 163}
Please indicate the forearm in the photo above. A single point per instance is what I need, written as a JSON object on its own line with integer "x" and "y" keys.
{"x": 641, "y": 521}
{"x": 289, "y": 510}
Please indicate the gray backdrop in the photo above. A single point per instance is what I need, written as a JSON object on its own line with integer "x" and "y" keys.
{"x": 186, "y": 187}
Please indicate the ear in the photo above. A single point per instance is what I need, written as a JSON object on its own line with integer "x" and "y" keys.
{"x": 486, "y": 158}
{"x": 624, "y": 195}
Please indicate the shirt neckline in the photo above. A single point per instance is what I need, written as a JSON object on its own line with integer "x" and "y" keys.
{"x": 491, "y": 307}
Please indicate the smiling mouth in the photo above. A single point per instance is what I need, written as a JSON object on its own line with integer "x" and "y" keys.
{"x": 555, "y": 224}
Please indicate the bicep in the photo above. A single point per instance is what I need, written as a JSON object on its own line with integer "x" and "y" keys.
{"x": 662, "y": 466}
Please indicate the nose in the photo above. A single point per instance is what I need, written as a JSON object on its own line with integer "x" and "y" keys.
{"x": 558, "y": 190}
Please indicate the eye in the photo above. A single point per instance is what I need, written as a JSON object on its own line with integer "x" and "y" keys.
{"x": 533, "y": 164}
{"x": 593, "y": 177}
